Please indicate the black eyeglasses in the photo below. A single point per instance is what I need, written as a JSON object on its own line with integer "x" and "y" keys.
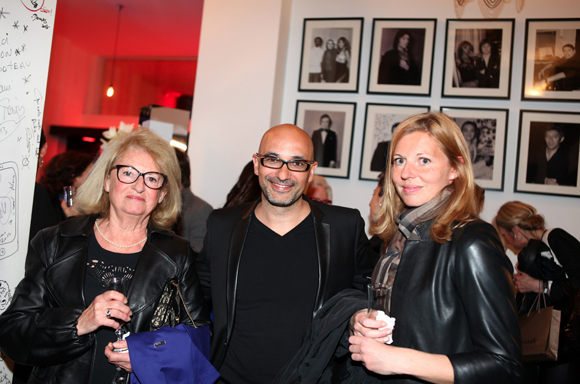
{"x": 128, "y": 175}
{"x": 276, "y": 163}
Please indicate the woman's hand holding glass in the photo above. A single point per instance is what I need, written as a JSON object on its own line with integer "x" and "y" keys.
{"x": 95, "y": 316}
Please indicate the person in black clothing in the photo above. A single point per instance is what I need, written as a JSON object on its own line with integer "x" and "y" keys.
{"x": 552, "y": 162}
{"x": 269, "y": 266}
{"x": 379, "y": 160}
{"x": 398, "y": 65}
{"x": 325, "y": 143}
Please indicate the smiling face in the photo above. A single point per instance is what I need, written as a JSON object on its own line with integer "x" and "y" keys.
{"x": 568, "y": 52}
{"x": 468, "y": 131}
{"x": 420, "y": 169}
{"x": 136, "y": 199}
{"x": 282, "y": 187}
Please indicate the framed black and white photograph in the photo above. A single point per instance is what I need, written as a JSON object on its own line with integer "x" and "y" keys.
{"x": 485, "y": 133}
{"x": 330, "y": 125}
{"x": 478, "y": 57}
{"x": 330, "y": 57}
{"x": 548, "y": 153}
{"x": 402, "y": 56}
{"x": 552, "y": 63}
{"x": 381, "y": 120}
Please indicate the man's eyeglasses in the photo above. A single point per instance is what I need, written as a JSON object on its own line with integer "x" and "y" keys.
{"x": 128, "y": 175}
{"x": 276, "y": 163}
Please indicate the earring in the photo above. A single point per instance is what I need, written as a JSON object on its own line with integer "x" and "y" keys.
{"x": 380, "y": 204}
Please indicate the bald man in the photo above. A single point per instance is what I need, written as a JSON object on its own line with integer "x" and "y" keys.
{"x": 270, "y": 265}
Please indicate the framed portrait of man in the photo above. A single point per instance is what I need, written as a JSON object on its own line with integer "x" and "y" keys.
{"x": 478, "y": 57}
{"x": 381, "y": 121}
{"x": 552, "y": 61}
{"x": 402, "y": 56}
{"x": 330, "y": 57}
{"x": 330, "y": 125}
{"x": 485, "y": 132}
{"x": 548, "y": 153}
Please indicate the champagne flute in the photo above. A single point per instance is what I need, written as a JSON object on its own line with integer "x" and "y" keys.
{"x": 119, "y": 284}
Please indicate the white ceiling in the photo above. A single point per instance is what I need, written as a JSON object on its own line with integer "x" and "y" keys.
{"x": 148, "y": 28}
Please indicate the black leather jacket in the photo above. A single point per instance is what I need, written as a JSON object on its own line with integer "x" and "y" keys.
{"x": 457, "y": 299}
{"x": 39, "y": 327}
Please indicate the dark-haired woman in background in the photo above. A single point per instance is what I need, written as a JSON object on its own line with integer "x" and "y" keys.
{"x": 343, "y": 60}
{"x": 247, "y": 188}
{"x": 465, "y": 65}
{"x": 397, "y": 64}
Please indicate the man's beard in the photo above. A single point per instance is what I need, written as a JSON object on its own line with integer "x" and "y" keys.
{"x": 284, "y": 201}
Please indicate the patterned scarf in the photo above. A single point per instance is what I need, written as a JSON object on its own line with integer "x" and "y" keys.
{"x": 386, "y": 269}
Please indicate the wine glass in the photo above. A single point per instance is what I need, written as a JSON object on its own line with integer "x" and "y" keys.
{"x": 119, "y": 284}
{"x": 379, "y": 296}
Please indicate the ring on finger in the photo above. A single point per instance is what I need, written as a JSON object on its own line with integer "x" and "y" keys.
{"x": 108, "y": 313}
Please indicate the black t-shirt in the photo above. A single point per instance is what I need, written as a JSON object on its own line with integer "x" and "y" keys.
{"x": 277, "y": 285}
{"x": 101, "y": 265}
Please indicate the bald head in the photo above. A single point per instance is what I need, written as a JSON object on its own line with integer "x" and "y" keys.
{"x": 291, "y": 138}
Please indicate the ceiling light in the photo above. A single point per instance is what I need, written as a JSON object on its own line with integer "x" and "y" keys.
{"x": 111, "y": 90}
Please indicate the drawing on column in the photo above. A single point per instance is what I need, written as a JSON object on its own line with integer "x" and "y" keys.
{"x": 8, "y": 209}
{"x": 5, "y": 295}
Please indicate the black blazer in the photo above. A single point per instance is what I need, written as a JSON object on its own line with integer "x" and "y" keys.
{"x": 345, "y": 259}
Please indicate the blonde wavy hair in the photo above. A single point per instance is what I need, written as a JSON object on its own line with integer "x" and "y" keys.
{"x": 517, "y": 214}
{"x": 92, "y": 197}
{"x": 460, "y": 207}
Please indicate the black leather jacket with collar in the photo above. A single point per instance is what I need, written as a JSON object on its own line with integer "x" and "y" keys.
{"x": 39, "y": 327}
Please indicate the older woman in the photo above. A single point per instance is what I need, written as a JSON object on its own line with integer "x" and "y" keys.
{"x": 452, "y": 293}
{"x": 62, "y": 317}
{"x": 518, "y": 223}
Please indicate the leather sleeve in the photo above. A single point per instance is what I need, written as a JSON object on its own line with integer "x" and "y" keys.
{"x": 483, "y": 279}
{"x": 34, "y": 329}
{"x": 192, "y": 292}
{"x": 203, "y": 263}
{"x": 567, "y": 249}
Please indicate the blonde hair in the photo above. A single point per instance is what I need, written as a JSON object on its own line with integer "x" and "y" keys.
{"x": 320, "y": 181}
{"x": 92, "y": 197}
{"x": 461, "y": 207}
{"x": 517, "y": 214}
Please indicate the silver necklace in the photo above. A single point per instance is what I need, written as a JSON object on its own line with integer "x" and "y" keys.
{"x": 117, "y": 245}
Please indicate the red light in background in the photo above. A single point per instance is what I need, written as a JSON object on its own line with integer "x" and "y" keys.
{"x": 89, "y": 139}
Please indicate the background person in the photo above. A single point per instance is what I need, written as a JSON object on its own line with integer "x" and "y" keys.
{"x": 69, "y": 168}
{"x": 566, "y": 72}
{"x": 343, "y": 60}
{"x": 518, "y": 223}
{"x": 62, "y": 318}
{"x": 398, "y": 65}
{"x": 488, "y": 65}
{"x": 325, "y": 143}
{"x": 465, "y": 66}
{"x": 552, "y": 161}
{"x": 195, "y": 211}
{"x": 329, "y": 62}
{"x": 247, "y": 188}
{"x": 441, "y": 259}
{"x": 319, "y": 190}
{"x": 315, "y": 69}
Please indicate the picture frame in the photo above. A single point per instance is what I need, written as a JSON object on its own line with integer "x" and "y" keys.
{"x": 552, "y": 63}
{"x": 332, "y": 149}
{"x": 478, "y": 58}
{"x": 397, "y": 41}
{"x": 380, "y": 122}
{"x": 543, "y": 134}
{"x": 339, "y": 67}
{"x": 485, "y": 132}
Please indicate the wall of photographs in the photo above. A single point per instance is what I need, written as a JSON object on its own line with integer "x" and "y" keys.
{"x": 500, "y": 79}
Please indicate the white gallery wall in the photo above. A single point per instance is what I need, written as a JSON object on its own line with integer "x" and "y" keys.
{"x": 247, "y": 81}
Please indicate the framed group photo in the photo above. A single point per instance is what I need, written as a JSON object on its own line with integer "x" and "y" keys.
{"x": 381, "y": 120}
{"x": 478, "y": 58}
{"x": 330, "y": 56}
{"x": 485, "y": 133}
{"x": 548, "y": 153}
{"x": 402, "y": 56}
{"x": 552, "y": 62}
{"x": 330, "y": 125}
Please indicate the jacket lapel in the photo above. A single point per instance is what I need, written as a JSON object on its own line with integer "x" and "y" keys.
{"x": 237, "y": 241}
{"x": 322, "y": 233}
